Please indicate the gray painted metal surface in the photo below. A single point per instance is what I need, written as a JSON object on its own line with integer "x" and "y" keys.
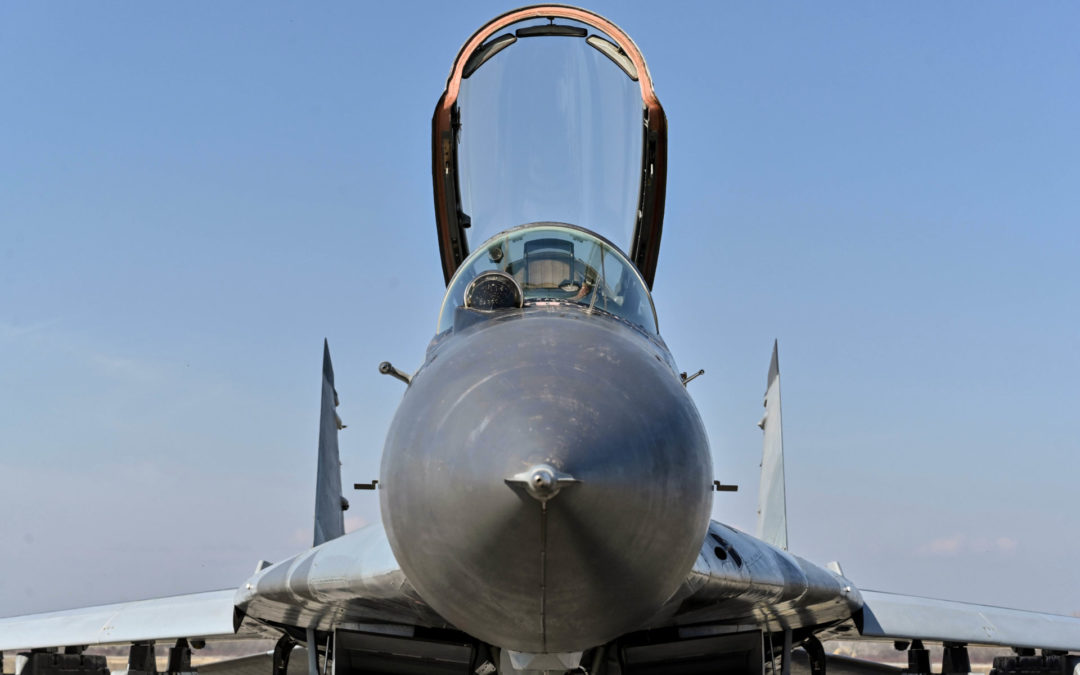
{"x": 590, "y": 396}
{"x": 329, "y": 512}
{"x": 200, "y": 615}
{"x": 353, "y": 578}
{"x": 772, "y": 497}
{"x": 889, "y": 615}
{"x": 740, "y": 580}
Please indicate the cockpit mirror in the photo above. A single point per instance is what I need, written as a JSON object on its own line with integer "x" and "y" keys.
{"x": 549, "y": 114}
{"x": 551, "y": 29}
{"x": 485, "y": 52}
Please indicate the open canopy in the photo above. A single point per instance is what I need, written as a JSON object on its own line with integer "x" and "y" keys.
{"x": 549, "y": 115}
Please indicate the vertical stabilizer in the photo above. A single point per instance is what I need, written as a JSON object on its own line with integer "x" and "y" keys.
{"x": 329, "y": 504}
{"x": 772, "y": 498}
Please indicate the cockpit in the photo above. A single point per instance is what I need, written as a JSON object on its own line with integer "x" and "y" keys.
{"x": 551, "y": 264}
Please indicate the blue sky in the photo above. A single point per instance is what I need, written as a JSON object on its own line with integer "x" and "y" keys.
{"x": 193, "y": 196}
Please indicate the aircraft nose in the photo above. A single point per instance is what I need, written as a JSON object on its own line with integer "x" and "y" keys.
{"x": 546, "y": 482}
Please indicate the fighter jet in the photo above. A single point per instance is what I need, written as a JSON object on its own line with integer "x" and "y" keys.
{"x": 546, "y": 483}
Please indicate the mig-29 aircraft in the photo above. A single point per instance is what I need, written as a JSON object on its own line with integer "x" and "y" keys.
{"x": 546, "y": 483}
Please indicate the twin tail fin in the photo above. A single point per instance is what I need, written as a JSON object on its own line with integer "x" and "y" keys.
{"x": 772, "y": 496}
{"x": 330, "y": 505}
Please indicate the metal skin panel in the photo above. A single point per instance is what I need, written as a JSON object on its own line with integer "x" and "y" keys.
{"x": 739, "y": 579}
{"x": 351, "y": 579}
{"x": 888, "y": 615}
{"x": 772, "y": 496}
{"x": 589, "y": 395}
{"x": 200, "y": 615}
{"x": 329, "y": 515}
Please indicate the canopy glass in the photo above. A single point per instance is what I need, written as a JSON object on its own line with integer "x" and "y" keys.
{"x": 550, "y": 131}
{"x": 549, "y": 115}
{"x": 556, "y": 264}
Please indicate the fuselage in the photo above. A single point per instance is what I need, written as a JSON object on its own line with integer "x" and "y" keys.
{"x": 546, "y": 481}
{"x": 567, "y": 389}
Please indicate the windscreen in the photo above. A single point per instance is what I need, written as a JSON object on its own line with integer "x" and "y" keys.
{"x": 551, "y": 130}
{"x": 558, "y": 264}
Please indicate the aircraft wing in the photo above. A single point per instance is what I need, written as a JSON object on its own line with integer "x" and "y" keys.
{"x": 754, "y": 582}
{"x": 894, "y": 616}
{"x": 352, "y": 579}
{"x": 198, "y": 615}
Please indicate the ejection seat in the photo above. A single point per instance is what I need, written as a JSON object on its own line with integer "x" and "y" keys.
{"x": 549, "y": 264}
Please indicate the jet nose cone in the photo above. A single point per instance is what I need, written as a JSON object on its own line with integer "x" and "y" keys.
{"x": 546, "y": 482}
